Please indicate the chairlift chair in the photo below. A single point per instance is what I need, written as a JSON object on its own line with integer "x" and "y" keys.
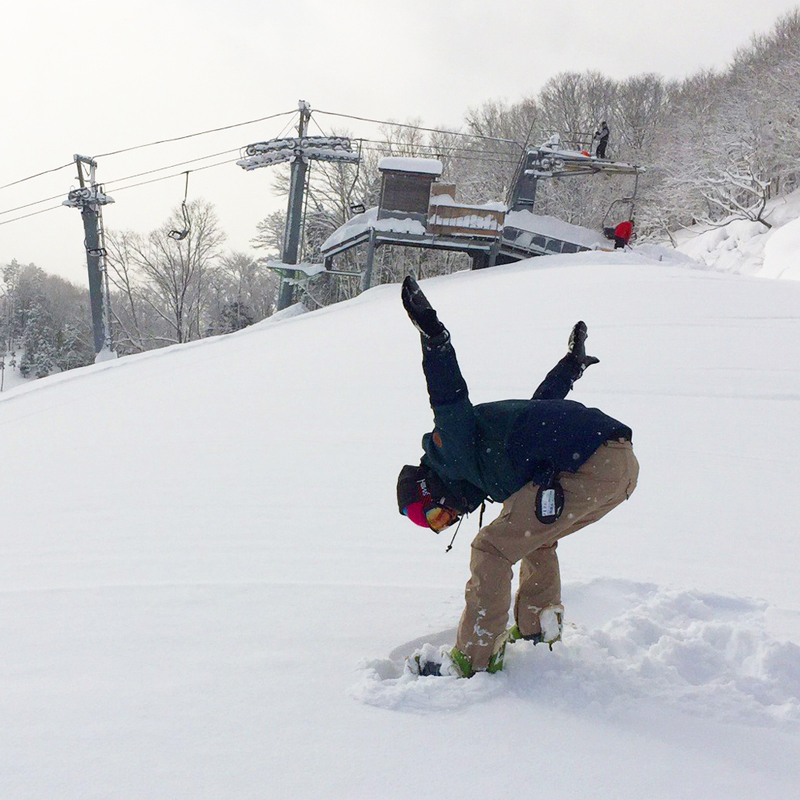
{"x": 180, "y": 235}
{"x": 629, "y": 203}
{"x": 619, "y": 204}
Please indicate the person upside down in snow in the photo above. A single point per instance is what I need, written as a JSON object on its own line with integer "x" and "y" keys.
{"x": 555, "y": 465}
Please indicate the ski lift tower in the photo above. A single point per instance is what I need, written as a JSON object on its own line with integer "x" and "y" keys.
{"x": 298, "y": 151}
{"x": 90, "y": 199}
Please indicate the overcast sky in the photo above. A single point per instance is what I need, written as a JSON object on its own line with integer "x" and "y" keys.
{"x": 93, "y": 77}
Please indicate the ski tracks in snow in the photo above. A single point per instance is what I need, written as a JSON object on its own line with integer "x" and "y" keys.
{"x": 625, "y": 644}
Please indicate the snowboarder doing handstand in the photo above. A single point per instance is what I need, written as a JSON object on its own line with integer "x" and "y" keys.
{"x": 556, "y": 466}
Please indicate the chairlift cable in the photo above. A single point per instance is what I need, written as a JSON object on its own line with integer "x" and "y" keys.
{"x": 32, "y": 214}
{"x": 439, "y": 149}
{"x": 286, "y": 128}
{"x": 174, "y": 175}
{"x": 114, "y": 181}
{"x": 120, "y": 180}
{"x": 466, "y": 158}
{"x": 311, "y": 118}
{"x": 170, "y": 166}
{"x": 192, "y": 135}
{"x": 420, "y": 127}
{"x": 29, "y": 205}
{"x": 37, "y": 175}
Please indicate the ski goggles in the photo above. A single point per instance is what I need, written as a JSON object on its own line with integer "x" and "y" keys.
{"x": 440, "y": 517}
{"x": 431, "y": 515}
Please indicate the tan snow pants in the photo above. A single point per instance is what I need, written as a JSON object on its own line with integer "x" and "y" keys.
{"x": 603, "y": 482}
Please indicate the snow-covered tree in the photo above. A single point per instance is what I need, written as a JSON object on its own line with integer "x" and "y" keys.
{"x": 46, "y": 319}
{"x": 269, "y": 234}
{"x": 241, "y": 291}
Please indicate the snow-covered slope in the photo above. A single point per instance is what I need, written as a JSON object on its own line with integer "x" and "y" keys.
{"x": 207, "y": 589}
{"x": 750, "y": 248}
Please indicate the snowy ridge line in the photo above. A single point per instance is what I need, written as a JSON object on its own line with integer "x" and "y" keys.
{"x": 134, "y": 359}
{"x": 289, "y": 314}
{"x": 696, "y": 652}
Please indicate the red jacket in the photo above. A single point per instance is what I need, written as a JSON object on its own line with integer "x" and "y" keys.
{"x": 624, "y": 231}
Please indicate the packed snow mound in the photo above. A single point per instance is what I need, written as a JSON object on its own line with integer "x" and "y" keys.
{"x": 624, "y": 643}
{"x": 665, "y": 255}
{"x": 782, "y": 253}
{"x": 736, "y": 247}
{"x": 746, "y": 247}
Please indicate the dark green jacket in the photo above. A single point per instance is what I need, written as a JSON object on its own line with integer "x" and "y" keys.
{"x": 493, "y": 449}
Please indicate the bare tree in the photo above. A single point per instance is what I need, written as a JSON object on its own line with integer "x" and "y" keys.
{"x": 131, "y": 333}
{"x": 640, "y": 110}
{"x": 175, "y": 273}
{"x": 269, "y": 233}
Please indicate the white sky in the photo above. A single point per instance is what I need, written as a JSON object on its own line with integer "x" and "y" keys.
{"x": 95, "y": 77}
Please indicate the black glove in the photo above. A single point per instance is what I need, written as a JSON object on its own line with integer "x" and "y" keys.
{"x": 576, "y": 347}
{"x": 420, "y": 310}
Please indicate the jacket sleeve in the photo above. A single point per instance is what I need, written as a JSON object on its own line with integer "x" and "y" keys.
{"x": 559, "y": 381}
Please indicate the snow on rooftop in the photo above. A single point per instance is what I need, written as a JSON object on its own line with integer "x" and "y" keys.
{"x": 449, "y": 200}
{"x": 425, "y": 166}
{"x": 361, "y": 223}
{"x": 556, "y": 229}
{"x": 477, "y": 222}
{"x": 308, "y": 269}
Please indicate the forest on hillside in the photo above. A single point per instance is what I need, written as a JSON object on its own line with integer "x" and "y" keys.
{"x": 716, "y": 146}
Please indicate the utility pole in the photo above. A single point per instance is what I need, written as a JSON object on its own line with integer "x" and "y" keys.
{"x": 299, "y": 151}
{"x": 90, "y": 199}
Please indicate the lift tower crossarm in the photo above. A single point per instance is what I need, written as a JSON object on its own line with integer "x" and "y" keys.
{"x": 299, "y": 151}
